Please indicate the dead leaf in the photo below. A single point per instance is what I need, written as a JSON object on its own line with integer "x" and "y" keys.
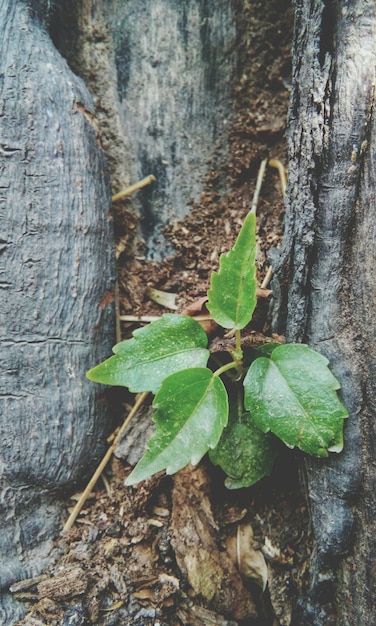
{"x": 163, "y": 298}
{"x": 269, "y": 550}
{"x": 207, "y": 324}
{"x": 144, "y": 594}
{"x": 234, "y": 514}
{"x": 198, "y": 310}
{"x": 196, "y": 307}
{"x": 113, "y": 607}
{"x": 250, "y": 562}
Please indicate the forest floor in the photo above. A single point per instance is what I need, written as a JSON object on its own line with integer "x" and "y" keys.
{"x": 148, "y": 555}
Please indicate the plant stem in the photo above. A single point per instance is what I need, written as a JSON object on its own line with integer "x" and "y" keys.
{"x": 238, "y": 346}
{"x": 228, "y": 366}
{"x": 240, "y": 402}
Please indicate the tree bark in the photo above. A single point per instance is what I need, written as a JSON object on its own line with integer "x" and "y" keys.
{"x": 161, "y": 73}
{"x": 56, "y": 240}
{"x": 326, "y": 290}
{"x": 162, "y": 110}
{"x": 56, "y": 277}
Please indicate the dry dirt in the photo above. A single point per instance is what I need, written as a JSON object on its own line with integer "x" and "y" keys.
{"x": 157, "y": 554}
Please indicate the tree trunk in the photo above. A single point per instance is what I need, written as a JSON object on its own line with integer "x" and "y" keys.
{"x": 56, "y": 241}
{"x": 326, "y": 292}
{"x": 161, "y": 73}
{"x": 162, "y": 103}
{"x": 56, "y": 273}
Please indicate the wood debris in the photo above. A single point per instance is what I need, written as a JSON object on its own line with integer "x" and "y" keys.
{"x": 69, "y": 582}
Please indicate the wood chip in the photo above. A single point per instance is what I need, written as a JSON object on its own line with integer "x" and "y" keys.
{"x": 69, "y": 582}
{"x": 28, "y": 583}
{"x": 211, "y": 573}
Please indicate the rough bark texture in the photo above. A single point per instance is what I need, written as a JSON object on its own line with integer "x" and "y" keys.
{"x": 161, "y": 73}
{"x": 56, "y": 244}
{"x": 56, "y": 271}
{"x": 327, "y": 287}
{"x": 162, "y": 100}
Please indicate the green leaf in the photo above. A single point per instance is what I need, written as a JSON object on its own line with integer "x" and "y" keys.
{"x": 266, "y": 349}
{"x": 172, "y": 343}
{"x": 251, "y": 354}
{"x": 294, "y": 395}
{"x": 245, "y": 453}
{"x": 232, "y": 294}
{"x": 192, "y": 410}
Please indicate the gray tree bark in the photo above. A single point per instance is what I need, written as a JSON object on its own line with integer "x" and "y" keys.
{"x": 326, "y": 292}
{"x": 56, "y": 250}
{"x": 157, "y": 115}
{"x": 161, "y": 74}
{"x": 55, "y": 279}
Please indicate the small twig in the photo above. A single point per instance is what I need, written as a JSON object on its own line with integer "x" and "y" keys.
{"x": 117, "y": 313}
{"x": 123, "y": 194}
{"x": 260, "y": 177}
{"x": 139, "y": 318}
{"x": 92, "y": 482}
{"x": 267, "y": 278}
{"x": 26, "y": 584}
{"x": 107, "y": 486}
{"x": 278, "y": 165}
{"x": 129, "y": 190}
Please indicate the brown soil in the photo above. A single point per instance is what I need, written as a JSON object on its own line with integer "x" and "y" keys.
{"x": 149, "y": 555}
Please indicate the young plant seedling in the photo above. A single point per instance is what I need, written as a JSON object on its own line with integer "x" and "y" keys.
{"x": 239, "y": 411}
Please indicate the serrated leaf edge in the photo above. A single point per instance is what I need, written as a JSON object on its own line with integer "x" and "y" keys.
{"x": 193, "y": 460}
{"x": 334, "y": 448}
{"x": 231, "y": 323}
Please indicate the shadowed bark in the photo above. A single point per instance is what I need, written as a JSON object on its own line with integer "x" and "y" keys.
{"x": 56, "y": 272}
{"x": 161, "y": 73}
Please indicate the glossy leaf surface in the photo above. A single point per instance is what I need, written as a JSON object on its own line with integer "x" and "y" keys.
{"x": 232, "y": 294}
{"x": 192, "y": 410}
{"x": 168, "y": 345}
{"x": 294, "y": 395}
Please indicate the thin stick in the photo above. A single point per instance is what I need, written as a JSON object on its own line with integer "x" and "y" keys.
{"x": 260, "y": 177}
{"x": 267, "y": 279}
{"x": 117, "y": 313}
{"x": 107, "y": 486}
{"x": 129, "y": 190}
{"x": 123, "y": 194}
{"x": 276, "y": 163}
{"x": 138, "y": 318}
{"x": 92, "y": 482}
{"x": 238, "y": 354}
